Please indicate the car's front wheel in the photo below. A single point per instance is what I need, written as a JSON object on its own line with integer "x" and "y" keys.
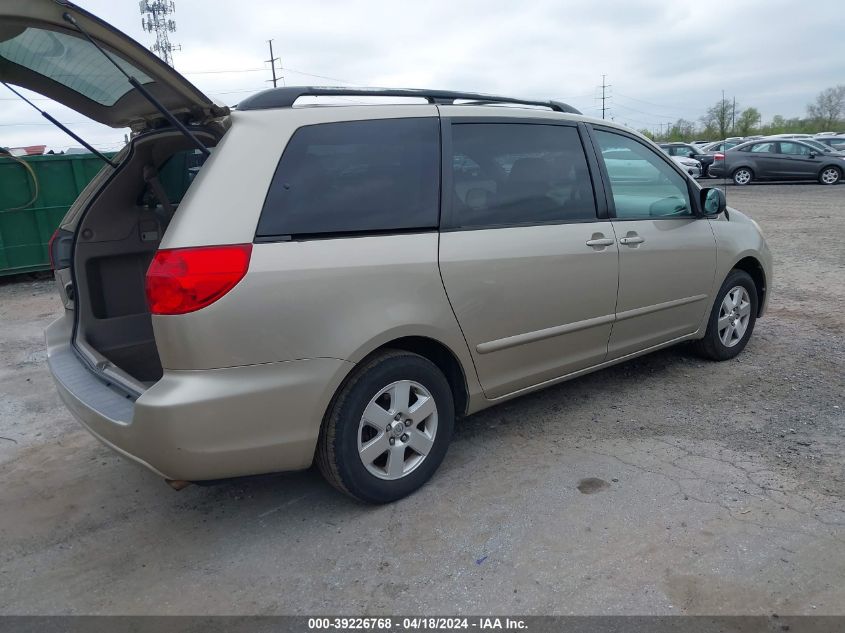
{"x": 830, "y": 176}
{"x": 388, "y": 428}
{"x": 732, "y": 318}
{"x": 743, "y": 176}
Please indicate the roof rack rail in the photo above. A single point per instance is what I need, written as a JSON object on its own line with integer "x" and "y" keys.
{"x": 286, "y": 97}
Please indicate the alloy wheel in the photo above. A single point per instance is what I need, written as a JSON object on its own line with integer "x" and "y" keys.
{"x": 734, "y": 314}
{"x": 397, "y": 431}
{"x": 742, "y": 177}
{"x": 830, "y": 176}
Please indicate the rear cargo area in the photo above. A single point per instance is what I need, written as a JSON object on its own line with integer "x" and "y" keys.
{"x": 115, "y": 241}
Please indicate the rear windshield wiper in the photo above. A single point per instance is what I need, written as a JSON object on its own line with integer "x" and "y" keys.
{"x": 137, "y": 85}
{"x": 62, "y": 127}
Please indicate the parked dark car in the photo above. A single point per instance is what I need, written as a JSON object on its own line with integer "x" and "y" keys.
{"x": 688, "y": 150}
{"x": 836, "y": 142}
{"x": 778, "y": 159}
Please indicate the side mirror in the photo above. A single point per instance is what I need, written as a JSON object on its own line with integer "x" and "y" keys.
{"x": 812, "y": 154}
{"x": 713, "y": 201}
{"x": 691, "y": 155}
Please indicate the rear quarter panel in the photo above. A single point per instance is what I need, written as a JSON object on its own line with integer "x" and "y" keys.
{"x": 332, "y": 298}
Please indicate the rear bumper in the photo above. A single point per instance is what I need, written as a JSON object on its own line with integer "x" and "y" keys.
{"x": 205, "y": 424}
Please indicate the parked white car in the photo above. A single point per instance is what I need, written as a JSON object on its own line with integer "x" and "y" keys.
{"x": 689, "y": 165}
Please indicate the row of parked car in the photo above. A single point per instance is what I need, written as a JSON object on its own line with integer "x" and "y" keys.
{"x": 780, "y": 157}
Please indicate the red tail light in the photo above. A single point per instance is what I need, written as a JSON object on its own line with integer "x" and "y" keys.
{"x": 719, "y": 157}
{"x": 182, "y": 280}
{"x": 50, "y": 249}
{"x": 59, "y": 248}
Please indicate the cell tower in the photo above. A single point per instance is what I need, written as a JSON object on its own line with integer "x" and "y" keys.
{"x": 155, "y": 18}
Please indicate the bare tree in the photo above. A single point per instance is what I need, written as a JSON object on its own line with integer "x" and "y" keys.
{"x": 829, "y": 107}
{"x": 717, "y": 119}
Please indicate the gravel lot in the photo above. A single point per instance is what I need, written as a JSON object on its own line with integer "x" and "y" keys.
{"x": 722, "y": 486}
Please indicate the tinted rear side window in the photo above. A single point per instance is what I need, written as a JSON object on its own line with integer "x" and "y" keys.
{"x": 516, "y": 173}
{"x": 356, "y": 176}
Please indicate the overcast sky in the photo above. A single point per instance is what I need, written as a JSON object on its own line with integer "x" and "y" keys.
{"x": 664, "y": 59}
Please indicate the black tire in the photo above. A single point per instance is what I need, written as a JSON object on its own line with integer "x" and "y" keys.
{"x": 337, "y": 449}
{"x": 830, "y": 175}
{"x": 739, "y": 176}
{"x": 711, "y": 346}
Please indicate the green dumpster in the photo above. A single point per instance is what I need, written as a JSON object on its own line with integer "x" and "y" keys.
{"x": 25, "y": 232}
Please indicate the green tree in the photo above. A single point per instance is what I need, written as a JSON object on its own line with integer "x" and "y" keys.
{"x": 747, "y": 121}
{"x": 778, "y": 123}
{"x": 681, "y": 130}
{"x": 828, "y": 108}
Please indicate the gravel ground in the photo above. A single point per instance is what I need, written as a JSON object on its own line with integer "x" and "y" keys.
{"x": 667, "y": 485}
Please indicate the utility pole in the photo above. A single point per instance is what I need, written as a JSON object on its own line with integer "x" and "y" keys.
{"x": 272, "y": 61}
{"x": 733, "y": 116}
{"x": 604, "y": 87}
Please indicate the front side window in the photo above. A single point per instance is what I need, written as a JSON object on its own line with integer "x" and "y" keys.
{"x": 795, "y": 149}
{"x": 515, "y": 173}
{"x": 356, "y": 176}
{"x": 763, "y": 148}
{"x": 643, "y": 185}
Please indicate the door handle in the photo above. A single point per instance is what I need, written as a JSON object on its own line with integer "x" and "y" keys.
{"x": 633, "y": 239}
{"x": 600, "y": 241}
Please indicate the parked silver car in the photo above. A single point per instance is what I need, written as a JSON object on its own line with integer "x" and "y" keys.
{"x": 721, "y": 146}
{"x": 689, "y": 165}
{"x": 835, "y": 142}
{"x": 340, "y": 283}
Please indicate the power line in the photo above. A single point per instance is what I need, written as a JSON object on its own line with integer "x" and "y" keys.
{"x": 261, "y": 70}
{"x": 651, "y": 114}
{"x": 651, "y": 103}
{"x": 220, "y": 72}
{"x": 300, "y": 72}
{"x": 234, "y": 92}
{"x": 589, "y": 94}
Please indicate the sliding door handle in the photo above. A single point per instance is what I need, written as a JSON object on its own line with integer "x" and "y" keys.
{"x": 602, "y": 241}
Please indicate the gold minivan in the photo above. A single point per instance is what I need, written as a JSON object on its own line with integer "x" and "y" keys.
{"x": 298, "y": 279}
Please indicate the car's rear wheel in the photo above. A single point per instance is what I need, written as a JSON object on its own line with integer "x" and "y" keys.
{"x": 732, "y": 318}
{"x": 388, "y": 428}
{"x": 743, "y": 176}
{"x": 830, "y": 175}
